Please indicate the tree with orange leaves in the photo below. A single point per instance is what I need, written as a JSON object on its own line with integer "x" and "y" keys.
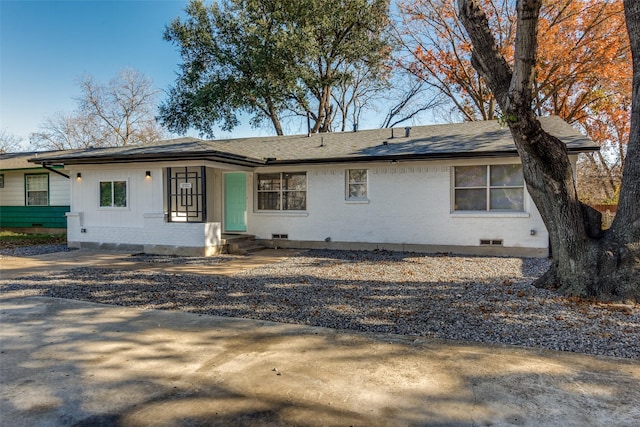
{"x": 588, "y": 261}
{"x": 583, "y": 70}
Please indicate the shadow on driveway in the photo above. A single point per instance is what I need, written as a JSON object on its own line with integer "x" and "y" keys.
{"x": 72, "y": 363}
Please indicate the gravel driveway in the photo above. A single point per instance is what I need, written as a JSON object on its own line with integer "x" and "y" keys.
{"x": 479, "y": 299}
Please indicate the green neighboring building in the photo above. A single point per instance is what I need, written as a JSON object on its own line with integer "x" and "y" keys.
{"x": 33, "y": 198}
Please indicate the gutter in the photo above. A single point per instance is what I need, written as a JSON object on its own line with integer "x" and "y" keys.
{"x": 47, "y": 167}
{"x": 239, "y": 160}
{"x": 408, "y": 157}
{"x": 146, "y": 158}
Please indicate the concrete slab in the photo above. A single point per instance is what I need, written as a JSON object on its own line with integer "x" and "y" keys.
{"x": 71, "y": 363}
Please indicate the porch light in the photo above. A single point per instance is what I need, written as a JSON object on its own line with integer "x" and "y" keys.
{"x": 78, "y": 176}
{"x": 147, "y": 174}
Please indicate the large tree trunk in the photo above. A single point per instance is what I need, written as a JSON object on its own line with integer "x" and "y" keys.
{"x": 587, "y": 262}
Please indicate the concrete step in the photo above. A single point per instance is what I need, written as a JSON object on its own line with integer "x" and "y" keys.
{"x": 242, "y": 245}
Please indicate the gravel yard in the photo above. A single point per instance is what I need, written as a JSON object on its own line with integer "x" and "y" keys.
{"x": 34, "y": 250}
{"x": 451, "y": 297}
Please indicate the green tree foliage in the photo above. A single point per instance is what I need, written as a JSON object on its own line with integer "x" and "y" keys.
{"x": 271, "y": 58}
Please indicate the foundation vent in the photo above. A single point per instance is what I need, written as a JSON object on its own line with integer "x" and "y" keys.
{"x": 279, "y": 236}
{"x": 490, "y": 242}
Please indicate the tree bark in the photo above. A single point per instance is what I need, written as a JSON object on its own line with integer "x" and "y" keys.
{"x": 587, "y": 262}
{"x": 273, "y": 116}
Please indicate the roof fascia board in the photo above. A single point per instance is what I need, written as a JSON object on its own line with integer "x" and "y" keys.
{"x": 34, "y": 167}
{"x": 236, "y": 160}
{"x": 207, "y": 156}
{"x": 411, "y": 157}
{"x": 397, "y": 158}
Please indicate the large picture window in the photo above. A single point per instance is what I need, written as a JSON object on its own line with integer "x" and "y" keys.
{"x": 282, "y": 191}
{"x": 113, "y": 194}
{"x": 488, "y": 188}
{"x": 356, "y": 184}
{"x": 37, "y": 190}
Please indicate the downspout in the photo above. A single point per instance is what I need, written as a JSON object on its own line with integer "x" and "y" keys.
{"x": 44, "y": 165}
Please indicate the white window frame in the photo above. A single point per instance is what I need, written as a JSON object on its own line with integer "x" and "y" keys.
{"x": 488, "y": 187}
{"x": 27, "y": 190}
{"x": 112, "y": 206}
{"x": 348, "y": 196}
{"x": 280, "y": 191}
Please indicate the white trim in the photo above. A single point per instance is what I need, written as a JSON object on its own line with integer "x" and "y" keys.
{"x": 282, "y": 213}
{"x": 487, "y": 187}
{"x": 489, "y": 214}
{"x": 280, "y": 191}
{"x": 347, "y": 197}
{"x": 127, "y": 207}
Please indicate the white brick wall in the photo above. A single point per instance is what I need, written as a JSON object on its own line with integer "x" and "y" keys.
{"x": 407, "y": 203}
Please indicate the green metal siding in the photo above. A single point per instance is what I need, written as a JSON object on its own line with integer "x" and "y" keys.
{"x": 34, "y": 216}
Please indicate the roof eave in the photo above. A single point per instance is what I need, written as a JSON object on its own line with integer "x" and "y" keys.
{"x": 239, "y": 160}
{"x": 412, "y": 157}
{"x": 146, "y": 158}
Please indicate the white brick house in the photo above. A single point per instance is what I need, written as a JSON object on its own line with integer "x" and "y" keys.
{"x": 444, "y": 188}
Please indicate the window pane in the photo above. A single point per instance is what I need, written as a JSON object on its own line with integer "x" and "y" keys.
{"x": 471, "y": 200}
{"x": 294, "y": 200}
{"x": 357, "y": 191}
{"x": 106, "y": 198}
{"x": 511, "y": 199}
{"x": 37, "y": 190}
{"x": 357, "y": 176}
{"x": 269, "y": 200}
{"x": 506, "y": 176}
{"x": 120, "y": 194}
{"x": 294, "y": 181}
{"x": 37, "y": 198}
{"x": 37, "y": 182}
{"x": 269, "y": 181}
{"x": 470, "y": 176}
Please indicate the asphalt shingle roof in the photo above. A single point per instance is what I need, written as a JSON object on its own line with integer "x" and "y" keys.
{"x": 468, "y": 139}
{"x": 20, "y": 160}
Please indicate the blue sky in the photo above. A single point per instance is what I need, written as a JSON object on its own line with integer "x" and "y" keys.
{"x": 45, "y": 46}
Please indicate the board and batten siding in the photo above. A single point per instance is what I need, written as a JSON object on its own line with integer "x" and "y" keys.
{"x": 141, "y": 225}
{"x": 143, "y": 196}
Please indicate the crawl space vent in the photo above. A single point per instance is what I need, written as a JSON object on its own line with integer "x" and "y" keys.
{"x": 488, "y": 242}
{"x": 279, "y": 236}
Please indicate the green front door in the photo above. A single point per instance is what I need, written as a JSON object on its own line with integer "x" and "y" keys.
{"x": 235, "y": 202}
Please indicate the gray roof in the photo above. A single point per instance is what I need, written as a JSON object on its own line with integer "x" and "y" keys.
{"x": 468, "y": 139}
{"x": 21, "y": 160}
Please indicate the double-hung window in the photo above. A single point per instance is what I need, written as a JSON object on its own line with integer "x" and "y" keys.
{"x": 356, "y": 184}
{"x": 37, "y": 189}
{"x": 113, "y": 194}
{"x": 282, "y": 191}
{"x": 489, "y": 188}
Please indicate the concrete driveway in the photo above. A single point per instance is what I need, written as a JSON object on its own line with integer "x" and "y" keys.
{"x": 72, "y": 363}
